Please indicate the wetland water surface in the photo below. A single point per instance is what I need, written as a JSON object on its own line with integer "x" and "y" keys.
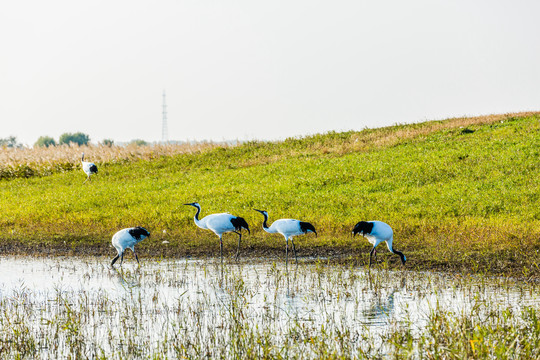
{"x": 81, "y": 307}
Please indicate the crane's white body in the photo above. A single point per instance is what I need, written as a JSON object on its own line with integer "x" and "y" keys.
{"x": 286, "y": 227}
{"x": 220, "y": 224}
{"x": 123, "y": 240}
{"x": 89, "y": 168}
{"x": 127, "y": 239}
{"x": 381, "y": 232}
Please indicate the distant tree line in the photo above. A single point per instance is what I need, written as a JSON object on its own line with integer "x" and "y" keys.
{"x": 45, "y": 141}
{"x": 10, "y": 142}
{"x": 78, "y": 138}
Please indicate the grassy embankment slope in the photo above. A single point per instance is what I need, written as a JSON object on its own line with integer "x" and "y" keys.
{"x": 456, "y": 199}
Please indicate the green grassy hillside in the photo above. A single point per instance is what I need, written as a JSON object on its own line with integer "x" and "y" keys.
{"x": 459, "y": 193}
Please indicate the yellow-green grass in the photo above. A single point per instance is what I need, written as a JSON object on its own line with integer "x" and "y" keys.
{"x": 456, "y": 199}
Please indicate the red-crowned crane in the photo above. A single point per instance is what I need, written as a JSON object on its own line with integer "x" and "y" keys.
{"x": 377, "y": 232}
{"x": 127, "y": 239}
{"x": 288, "y": 228}
{"x": 220, "y": 224}
{"x": 89, "y": 168}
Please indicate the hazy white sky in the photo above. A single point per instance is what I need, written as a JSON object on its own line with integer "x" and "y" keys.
{"x": 249, "y": 69}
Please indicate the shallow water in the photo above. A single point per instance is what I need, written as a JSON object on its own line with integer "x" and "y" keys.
{"x": 82, "y": 304}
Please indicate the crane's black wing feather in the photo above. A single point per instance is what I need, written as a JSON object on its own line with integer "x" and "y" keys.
{"x": 363, "y": 227}
{"x": 137, "y": 232}
{"x": 240, "y": 223}
{"x": 305, "y": 227}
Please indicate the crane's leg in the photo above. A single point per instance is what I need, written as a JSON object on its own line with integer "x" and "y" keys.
{"x": 221, "y": 248}
{"x": 294, "y": 249}
{"x": 239, "y": 239}
{"x": 114, "y": 260}
{"x": 370, "y": 254}
{"x": 88, "y": 178}
{"x": 121, "y": 258}
{"x": 287, "y": 253}
{"x": 136, "y": 257}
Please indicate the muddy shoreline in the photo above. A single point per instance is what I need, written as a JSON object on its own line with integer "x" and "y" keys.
{"x": 495, "y": 266}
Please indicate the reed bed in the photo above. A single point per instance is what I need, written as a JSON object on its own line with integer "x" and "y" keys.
{"x": 42, "y": 161}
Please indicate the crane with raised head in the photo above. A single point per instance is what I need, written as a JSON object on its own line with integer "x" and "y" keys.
{"x": 89, "y": 168}
{"x": 220, "y": 224}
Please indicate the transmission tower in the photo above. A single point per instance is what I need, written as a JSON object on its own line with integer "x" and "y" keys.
{"x": 164, "y": 131}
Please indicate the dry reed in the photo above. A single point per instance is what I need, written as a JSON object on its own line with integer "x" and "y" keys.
{"x": 97, "y": 153}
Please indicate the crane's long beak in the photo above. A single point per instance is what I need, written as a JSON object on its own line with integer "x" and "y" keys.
{"x": 190, "y": 204}
{"x": 261, "y": 211}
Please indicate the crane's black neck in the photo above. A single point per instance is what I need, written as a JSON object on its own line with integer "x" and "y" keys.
{"x": 265, "y": 225}
{"x": 403, "y": 259}
{"x": 198, "y": 212}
